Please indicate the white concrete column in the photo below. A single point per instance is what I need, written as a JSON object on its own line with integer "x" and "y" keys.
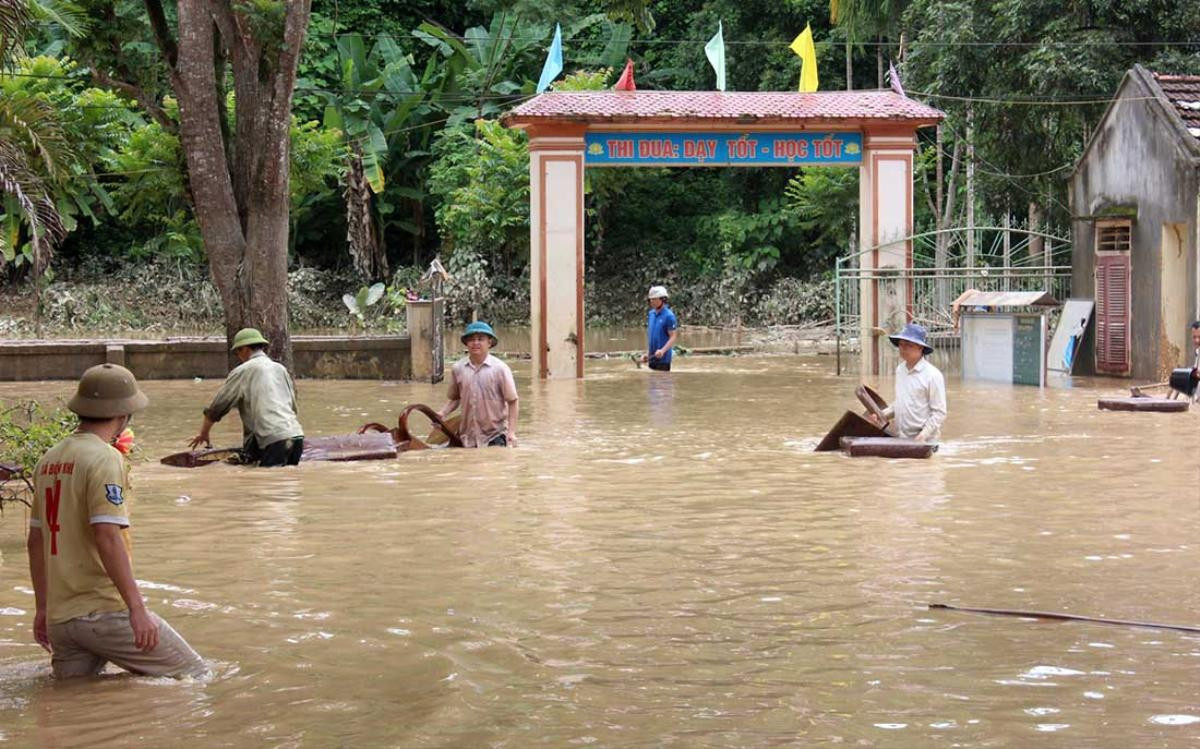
{"x": 885, "y": 194}
{"x": 556, "y": 251}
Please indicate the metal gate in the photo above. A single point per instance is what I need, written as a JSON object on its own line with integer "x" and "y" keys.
{"x": 946, "y": 263}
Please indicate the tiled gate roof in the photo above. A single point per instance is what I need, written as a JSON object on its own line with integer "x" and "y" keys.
{"x": 742, "y": 107}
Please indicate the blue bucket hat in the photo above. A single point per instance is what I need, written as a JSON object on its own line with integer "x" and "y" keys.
{"x": 479, "y": 326}
{"x": 912, "y": 333}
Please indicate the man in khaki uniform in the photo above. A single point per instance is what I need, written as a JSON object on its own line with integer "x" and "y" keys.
{"x": 484, "y": 387}
{"x": 89, "y": 608}
{"x": 265, "y": 397}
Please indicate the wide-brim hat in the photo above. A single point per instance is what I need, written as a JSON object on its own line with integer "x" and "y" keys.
{"x": 912, "y": 333}
{"x": 106, "y": 391}
{"x": 247, "y": 337}
{"x": 480, "y": 326}
{"x": 657, "y": 292}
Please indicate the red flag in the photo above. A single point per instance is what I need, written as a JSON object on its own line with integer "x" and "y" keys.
{"x": 625, "y": 82}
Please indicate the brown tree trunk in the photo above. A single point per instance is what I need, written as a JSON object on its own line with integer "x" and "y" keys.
{"x": 1036, "y": 244}
{"x": 365, "y": 249}
{"x": 241, "y": 192}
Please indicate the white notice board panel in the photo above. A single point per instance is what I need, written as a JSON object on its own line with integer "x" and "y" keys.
{"x": 1004, "y": 348}
{"x": 987, "y": 347}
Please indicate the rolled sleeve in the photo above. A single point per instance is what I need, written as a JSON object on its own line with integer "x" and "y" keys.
{"x": 227, "y": 397}
{"x": 452, "y": 393}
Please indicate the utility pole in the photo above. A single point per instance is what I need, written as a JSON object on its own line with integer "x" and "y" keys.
{"x": 970, "y": 186}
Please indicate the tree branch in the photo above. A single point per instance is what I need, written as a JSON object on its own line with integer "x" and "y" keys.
{"x": 162, "y": 32}
{"x": 138, "y": 94}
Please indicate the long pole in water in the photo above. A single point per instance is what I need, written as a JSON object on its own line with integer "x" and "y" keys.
{"x": 1063, "y": 617}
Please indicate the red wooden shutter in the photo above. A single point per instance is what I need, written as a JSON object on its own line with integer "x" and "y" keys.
{"x": 1112, "y": 314}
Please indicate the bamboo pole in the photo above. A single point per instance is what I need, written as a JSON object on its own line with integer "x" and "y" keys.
{"x": 1063, "y": 617}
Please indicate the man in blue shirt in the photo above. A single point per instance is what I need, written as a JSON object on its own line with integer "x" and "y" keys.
{"x": 661, "y": 330}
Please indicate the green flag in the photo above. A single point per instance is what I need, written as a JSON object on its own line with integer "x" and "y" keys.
{"x": 715, "y": 51}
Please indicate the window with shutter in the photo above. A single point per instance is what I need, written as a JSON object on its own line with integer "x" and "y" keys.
{"x": 1113, "y": 240}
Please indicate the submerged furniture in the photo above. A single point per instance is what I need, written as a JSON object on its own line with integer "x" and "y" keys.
{"x": 859, "y": 437}
{"x": 1142, "y": 403}
{"x": 1183, "y": 381}
{"x": 887, "y": 447}
{"x": 373, "y": 441}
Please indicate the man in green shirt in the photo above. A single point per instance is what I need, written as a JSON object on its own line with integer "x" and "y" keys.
{"x": 265, "y": 397}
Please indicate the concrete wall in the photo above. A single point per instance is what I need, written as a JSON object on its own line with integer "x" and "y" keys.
{"x": 324, "y": 357}
{"x": 1137, "y": 158}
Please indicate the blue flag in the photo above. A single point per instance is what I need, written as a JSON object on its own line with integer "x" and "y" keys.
{"x": 553, "y": 64}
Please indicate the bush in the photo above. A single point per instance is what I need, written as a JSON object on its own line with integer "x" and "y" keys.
{"x": 27, "y": 431}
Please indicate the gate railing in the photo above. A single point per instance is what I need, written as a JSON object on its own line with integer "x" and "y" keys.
{"x": 989, "y": 261}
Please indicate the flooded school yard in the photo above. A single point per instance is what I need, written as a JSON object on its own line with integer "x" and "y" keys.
{"x": 663, "y": 562}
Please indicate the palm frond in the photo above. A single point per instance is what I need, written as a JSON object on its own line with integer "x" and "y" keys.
{"x": 68, "y": 15}
{"x": 34, "y": 124}
{"x": 14, "y": 20}
{"x": 19, "y": 182}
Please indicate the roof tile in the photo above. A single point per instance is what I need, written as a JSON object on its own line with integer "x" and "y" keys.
{"x": 743, "y": 106}
{"x": 1183, "y": 91}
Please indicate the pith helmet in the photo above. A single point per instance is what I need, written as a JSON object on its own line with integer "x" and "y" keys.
{"x": 479, "y": 326}
{"x": 247, "y": 337}
{"x": 657, "y": 292}
{"x": 107, "y": 390}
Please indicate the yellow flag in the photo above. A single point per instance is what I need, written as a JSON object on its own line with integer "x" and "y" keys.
{"x": 803, "y": 46}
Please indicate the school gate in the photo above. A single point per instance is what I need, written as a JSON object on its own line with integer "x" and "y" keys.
{"x": 572, "y": 130}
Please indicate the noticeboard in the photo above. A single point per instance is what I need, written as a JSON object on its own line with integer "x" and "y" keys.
{"x": 1029, "y": 350}
{"x": 1004, "y": 348}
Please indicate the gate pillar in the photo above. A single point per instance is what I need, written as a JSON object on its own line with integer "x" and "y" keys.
{"x": 556, "y": 250}
{"x": 885, "y": 213}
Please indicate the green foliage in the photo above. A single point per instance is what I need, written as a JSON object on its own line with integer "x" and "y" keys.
{"x": 27, "y": 431}
{"x": 825, "y": 202}
{"x": 584, "y": 80}
{"x": 153, "y": 193}
{"x": 1005, "y": 54}
{"x": 481, "y": 177}
{"x": 62, "y": 128}
{"x": 366, "y": 297}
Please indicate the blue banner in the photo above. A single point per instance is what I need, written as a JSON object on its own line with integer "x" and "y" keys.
{"x": 640, "y": 148}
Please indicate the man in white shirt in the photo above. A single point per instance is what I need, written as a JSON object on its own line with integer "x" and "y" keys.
{"x": 919, "y": 409}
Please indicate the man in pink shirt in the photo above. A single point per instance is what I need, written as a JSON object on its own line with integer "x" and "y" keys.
{"x": 484, "y": 387}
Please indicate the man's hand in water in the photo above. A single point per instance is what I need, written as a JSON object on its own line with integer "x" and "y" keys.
{"x": 200, "y": 439}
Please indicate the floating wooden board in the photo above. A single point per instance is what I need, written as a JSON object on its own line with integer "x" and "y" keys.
{"x": 368, "y": 446}
{"x": 886, "y": 447}
{"x": 340, "y": 447}
{"x": 1160, "y": 405}
{"x": 198, "y": 458}
{"x": 850, "y": 425}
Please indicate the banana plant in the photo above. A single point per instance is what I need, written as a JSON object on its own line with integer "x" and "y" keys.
{"x": 380, "y": 103}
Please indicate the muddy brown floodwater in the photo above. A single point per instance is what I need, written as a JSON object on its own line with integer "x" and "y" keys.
{"x": 663, "y": 562}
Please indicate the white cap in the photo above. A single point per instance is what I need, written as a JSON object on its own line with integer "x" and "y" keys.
{"x": 657, "y": 292}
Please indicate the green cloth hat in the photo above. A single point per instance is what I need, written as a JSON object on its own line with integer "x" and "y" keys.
{"x": 479, "y": 326}
{"x": 247, "y": 337}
